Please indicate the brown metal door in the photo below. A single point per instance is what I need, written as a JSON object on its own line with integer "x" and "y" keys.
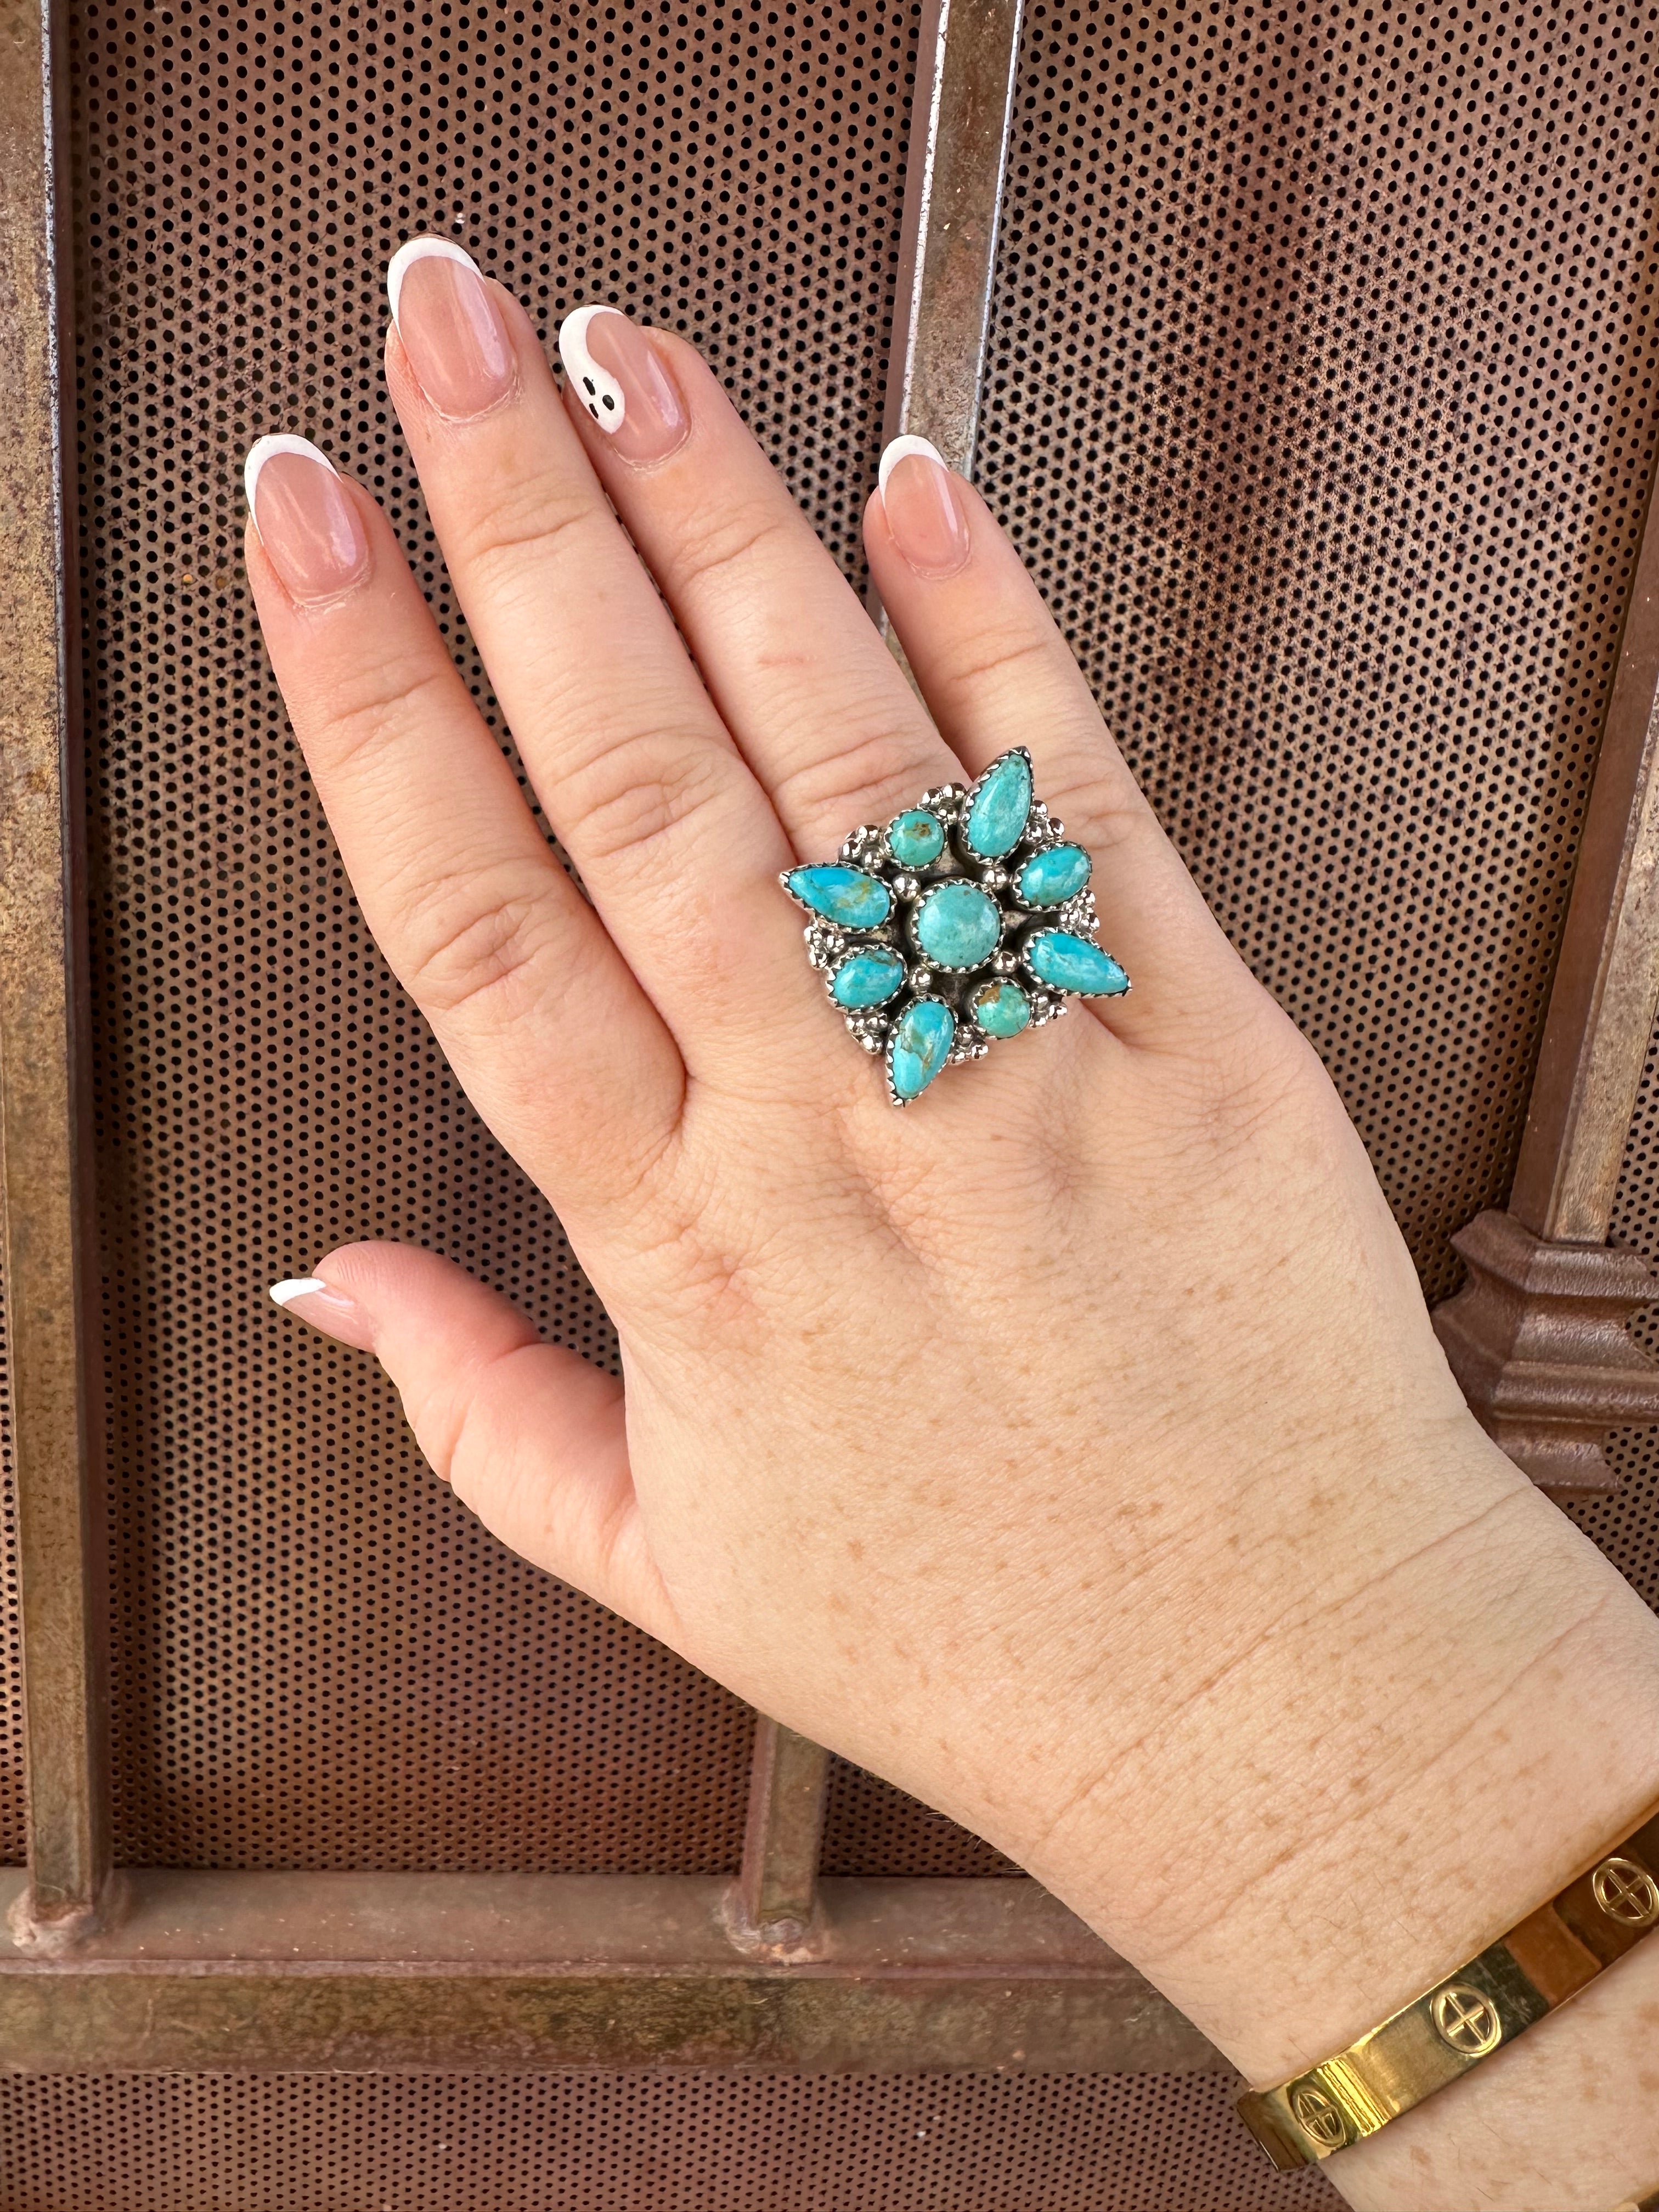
{"x": 1313, "y": 367}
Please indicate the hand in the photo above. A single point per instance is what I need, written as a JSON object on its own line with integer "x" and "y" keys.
{"x": 1071, "y": 1447}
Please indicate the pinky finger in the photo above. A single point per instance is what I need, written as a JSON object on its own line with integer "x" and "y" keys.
{"x": 527, "y": 1434}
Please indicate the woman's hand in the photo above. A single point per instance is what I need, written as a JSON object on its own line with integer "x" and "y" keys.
{"x": 1071, "y": 1447}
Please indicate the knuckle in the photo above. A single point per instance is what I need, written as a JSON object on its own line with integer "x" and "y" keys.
{"x": 643, "y": 793}
{"x": 728, "y": 545}
{"x": 372, "y": 712}
{"x": 999, "y": 654}
{"x": 522, "y": 521}
{"x": 880, "y": 769}
{"x": 475, "y": 946}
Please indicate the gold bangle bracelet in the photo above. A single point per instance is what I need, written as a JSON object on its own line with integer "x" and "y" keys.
{"x": 1648, "y": 2203}
{"x": 1554, "y": 1954}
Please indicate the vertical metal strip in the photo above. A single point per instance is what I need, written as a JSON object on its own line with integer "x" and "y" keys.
{"x": 967, "y": 57}
{"x": 43, "y": 1154}
{"x": 776, "y": 1900}
{"x": 1605, "y": 993}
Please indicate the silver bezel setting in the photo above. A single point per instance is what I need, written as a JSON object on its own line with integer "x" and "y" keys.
{"x": 828, "y": 943}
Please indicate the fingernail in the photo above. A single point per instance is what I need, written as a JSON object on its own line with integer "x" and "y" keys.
{"x": 623, "y": 384}
{"x": 308, "y": 527}
{"x": 924, "y": 511}
{"x": 451, "y": 327}
{"x": 330, "y": 1311}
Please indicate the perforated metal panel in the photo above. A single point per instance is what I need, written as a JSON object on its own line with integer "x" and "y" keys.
{"x": 318, "y": 1659}
{"x": 635, "y": 2143}
{"x": 1322, "y": 408}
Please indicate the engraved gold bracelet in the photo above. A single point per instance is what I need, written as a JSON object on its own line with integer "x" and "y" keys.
{"x": 1480, "y": 2009}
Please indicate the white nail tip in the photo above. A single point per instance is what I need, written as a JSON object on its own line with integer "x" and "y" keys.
{"x": 902, "y": 449}
{"x": 297, "y": 1287}
{"x": 602, "y": 396}
{"x": 264, "y": 449}
{"x": 421, "y": 249}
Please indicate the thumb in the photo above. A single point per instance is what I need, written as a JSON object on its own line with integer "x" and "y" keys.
{"x": 527, "y": 1434}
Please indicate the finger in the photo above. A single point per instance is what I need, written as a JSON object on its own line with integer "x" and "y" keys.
{"x": 996, "y": 673}
{"x": 527, "y": 1434}
{"x": 546, "y": 1029}
{"x": 802, "y": 679}
{"x": 673, "y": 838}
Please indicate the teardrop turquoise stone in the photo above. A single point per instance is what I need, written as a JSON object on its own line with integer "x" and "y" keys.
{"x": 1001, "y": 802}
{"x": 1002, "y": 1010}
{"x": 867, "y": 979}
{"x": 916, "y": 839}
{"x": 957, "y": 925}
{"x": 1050, "y": 878}
{"x": 846, "y": 896}
{"x": 1066, "y": 963}
{"x": 920, "y": 1046}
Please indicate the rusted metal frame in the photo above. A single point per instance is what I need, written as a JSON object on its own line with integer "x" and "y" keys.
{"x": 1606, "y": 992}
{"x": 360, "y": 1972}
{"x": 967, "y": 62}
{"x": 773, "y": 1906}
{"x": 44, "y": 1148}
{"x": 1538, "y": 1337}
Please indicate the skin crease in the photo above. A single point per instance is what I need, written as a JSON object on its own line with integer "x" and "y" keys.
{"x": 1071, "y": 1447}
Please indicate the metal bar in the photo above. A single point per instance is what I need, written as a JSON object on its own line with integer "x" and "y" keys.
{"x": 967, "y": 56}
{"x": 43, "y": 1147}
{"x": 775, "y": 1895}
{"x": 1606, "y": 993}
{"x": 360, "y": 1972}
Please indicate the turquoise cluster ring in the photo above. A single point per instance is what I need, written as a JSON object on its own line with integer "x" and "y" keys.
{"x": 968, "y": 918}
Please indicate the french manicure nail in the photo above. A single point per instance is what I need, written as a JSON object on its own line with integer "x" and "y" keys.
{"x": 924, "y": 511}
{"x": 309, "y": 529}
{"x": 451, "y": 327}
{"x": 623, "y": 384}
{"x": 330, "y": 1310}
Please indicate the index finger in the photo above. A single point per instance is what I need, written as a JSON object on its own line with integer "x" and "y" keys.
{"x": 547, "y": 1031}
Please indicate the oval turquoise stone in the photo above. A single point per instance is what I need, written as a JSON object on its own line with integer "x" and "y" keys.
{"x": 916, "y": 839}
{"x": 1001, "y": 1009}
{"x": 867, "y": 979}
{"x": 1050, "y": 878}
{"x": 1066, "y": 963}
{"x": 957, "y": 925}
{"x": 1001, "y": 801}
{"x": 920, "y": 1046}
{"x": 846, "y": 896}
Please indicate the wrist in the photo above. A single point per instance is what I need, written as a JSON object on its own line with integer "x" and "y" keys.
{"x": 1381, "y": 1781}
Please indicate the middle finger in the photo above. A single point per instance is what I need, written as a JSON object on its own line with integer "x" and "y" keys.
{"x": 801, "y": 678}
{"x": 674, "y": 839}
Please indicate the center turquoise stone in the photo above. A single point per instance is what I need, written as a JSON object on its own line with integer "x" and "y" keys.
{"x": 957, "y": 925}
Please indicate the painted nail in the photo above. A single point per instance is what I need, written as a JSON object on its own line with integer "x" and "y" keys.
{"x": 923, "y": 510}
{"x": 623, "y": 384}
{"x": 331, "y": 1311}
{"x": 308, "y": 527}
{"x": 451, "y": 327}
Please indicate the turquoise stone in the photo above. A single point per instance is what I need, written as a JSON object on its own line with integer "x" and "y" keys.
{"x": 916, "y": 839}
{"x": 920, "y": 1046}
{"x": 1001, "y": 1009}
{"x": 846, "y": 896}
{"x": 957, "y": 925}
{"x": 1001, "y": 801}
{"x": 867, "y": 979}
{"x": 1054, "y": 957}
{"x": 1050, "y": 878}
